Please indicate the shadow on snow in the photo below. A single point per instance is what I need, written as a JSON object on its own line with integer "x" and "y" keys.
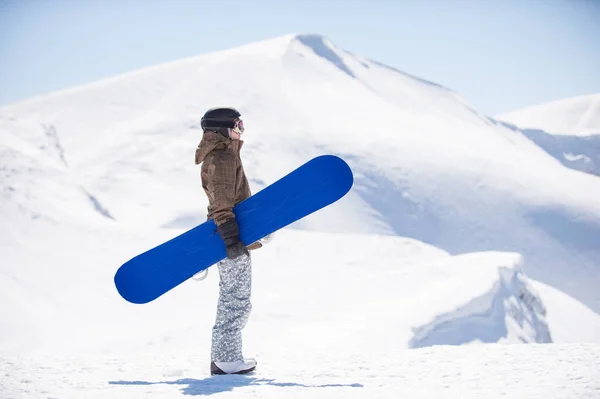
{"x": 217, "y": 384}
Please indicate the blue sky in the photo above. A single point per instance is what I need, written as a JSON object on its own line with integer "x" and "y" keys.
{"x": 500, "y": 55}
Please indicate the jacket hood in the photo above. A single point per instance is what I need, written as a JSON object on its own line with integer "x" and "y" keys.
{"x": 210, "y": 141}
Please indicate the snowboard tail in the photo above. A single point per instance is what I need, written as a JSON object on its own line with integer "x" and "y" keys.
{"x": 314, "y": 185}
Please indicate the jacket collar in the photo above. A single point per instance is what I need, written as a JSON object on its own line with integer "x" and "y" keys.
{"x": 213, "y": 140}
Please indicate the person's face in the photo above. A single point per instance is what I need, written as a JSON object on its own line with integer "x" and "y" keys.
{"x": 235, "y": 133}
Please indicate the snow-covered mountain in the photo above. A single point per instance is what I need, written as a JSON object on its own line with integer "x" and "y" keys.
{"x": 579, "y": 116}
{"x": 459, "y": 229}
{"x": 575, "y": 152}
{"x": 568, "y": 129}
{"x": 427, "y": 165}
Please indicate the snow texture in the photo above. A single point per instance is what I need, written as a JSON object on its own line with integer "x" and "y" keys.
{"x": 489, "y": 371}
{"x": 459, "y": 231}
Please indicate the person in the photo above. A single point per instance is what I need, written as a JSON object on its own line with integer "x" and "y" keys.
{"x": 225, "y": 185}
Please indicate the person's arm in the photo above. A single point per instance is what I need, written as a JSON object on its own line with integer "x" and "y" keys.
{"x": 220, "y": 188}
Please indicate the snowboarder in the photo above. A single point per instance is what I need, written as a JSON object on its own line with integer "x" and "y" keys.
{"x": 225, "y": 185}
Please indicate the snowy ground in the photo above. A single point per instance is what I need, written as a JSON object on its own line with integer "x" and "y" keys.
{"x": 478, "y": 371}
{"x": 336, "y": 320}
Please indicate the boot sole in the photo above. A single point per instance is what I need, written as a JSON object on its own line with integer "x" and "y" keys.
{"x": 214, "y": 370}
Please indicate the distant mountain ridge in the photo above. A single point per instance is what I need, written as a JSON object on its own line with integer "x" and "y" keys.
{"x": 577, "y": 116}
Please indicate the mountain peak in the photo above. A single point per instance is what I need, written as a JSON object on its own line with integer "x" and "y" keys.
{"x": 325, "y": 49}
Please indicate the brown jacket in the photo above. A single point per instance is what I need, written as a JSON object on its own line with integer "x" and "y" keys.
{"x": 223, "y": 177}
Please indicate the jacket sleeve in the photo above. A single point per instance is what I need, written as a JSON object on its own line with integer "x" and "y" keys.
{"x": 219, "y": 185}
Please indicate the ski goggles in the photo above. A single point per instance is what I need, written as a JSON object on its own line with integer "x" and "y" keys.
{"x": 238, "y": 126}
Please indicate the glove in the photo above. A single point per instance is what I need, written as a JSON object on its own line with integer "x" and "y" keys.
{"x": 236, "y": 250}
{"x": 229, "y": 233}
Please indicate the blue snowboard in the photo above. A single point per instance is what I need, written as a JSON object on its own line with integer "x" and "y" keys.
{"x": 314, "y": 185}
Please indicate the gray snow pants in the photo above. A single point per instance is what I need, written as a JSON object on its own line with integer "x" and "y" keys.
{"x": 233, "y": 309}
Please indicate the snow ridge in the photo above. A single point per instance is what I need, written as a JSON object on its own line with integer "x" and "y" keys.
{"x": 54, "y": 143}
{"x": 321, "y": 47}
{"x": 579, "y": 116}
{"x": 98, "y": 205}
{"x": 580, "y": 153}
{"x": 510, "y": 311}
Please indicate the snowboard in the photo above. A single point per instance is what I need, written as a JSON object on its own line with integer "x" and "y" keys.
{"x": 314, "y": 185}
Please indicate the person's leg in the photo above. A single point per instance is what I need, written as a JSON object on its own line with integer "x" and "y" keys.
{"x": 233, "y": 309}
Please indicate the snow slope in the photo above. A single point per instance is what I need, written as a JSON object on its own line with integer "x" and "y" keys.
{"x": 571, "y": 314}
{"x": 569, "y": 130}
{"x": 347, "y": 290}
{"x": 333, "y": 314}
{"x": 427, "y": 165}
{"x": 335, "y": 320}
{"x": 576, "y": 152}
{"x": 579, "y": 116}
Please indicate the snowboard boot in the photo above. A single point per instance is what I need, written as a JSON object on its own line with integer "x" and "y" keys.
{"x": 239, "y": 367}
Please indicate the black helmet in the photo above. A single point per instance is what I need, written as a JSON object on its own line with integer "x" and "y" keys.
{"x": 219, "y": 119}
